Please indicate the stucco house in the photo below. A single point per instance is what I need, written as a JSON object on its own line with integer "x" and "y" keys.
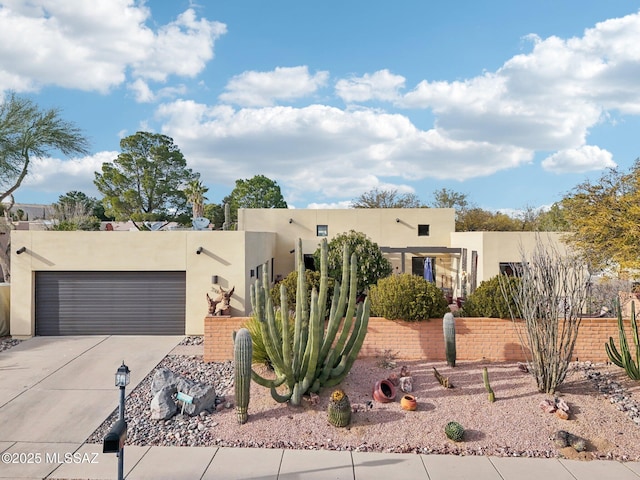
{"x": 156, "y": 282}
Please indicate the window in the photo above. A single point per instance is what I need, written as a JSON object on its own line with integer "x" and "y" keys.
{"x": 322, "y": 230}
{"x": 423, "y": 230}
{"x": 511, "y": 269}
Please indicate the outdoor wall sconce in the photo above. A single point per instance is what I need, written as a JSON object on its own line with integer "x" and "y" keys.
{"x": 253, "y": 273}
{"x": 214, "y": 279}
{"x": 397, "y": 220}
{"x": 199, "y": 250}
{"x": 291, "y": 220}
{"x": 21, "y": 250}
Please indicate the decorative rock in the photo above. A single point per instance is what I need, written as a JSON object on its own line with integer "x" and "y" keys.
{"x": 563, "y": 439}
{"x": 204, "y": 396}
{"x": 406, "y": 384}
{"x": 162, "y": 405}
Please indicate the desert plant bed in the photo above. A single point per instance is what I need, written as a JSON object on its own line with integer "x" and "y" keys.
{"x": 601, "y": 399}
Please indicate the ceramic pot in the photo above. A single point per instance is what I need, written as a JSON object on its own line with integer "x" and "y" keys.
{"x": 384, "y": 391}
{"x": 408, "y": 402}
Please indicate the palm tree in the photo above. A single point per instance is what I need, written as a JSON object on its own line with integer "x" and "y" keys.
{"x": 195, "y": 191}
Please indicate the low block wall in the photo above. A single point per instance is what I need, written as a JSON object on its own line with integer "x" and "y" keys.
{"x": 493, "y": 339}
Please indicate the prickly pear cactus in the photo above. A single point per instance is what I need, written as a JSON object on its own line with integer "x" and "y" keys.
{"x": 454, "y": 431}
{"x": 242, "y": 354}
{"x": 339, "y": 409}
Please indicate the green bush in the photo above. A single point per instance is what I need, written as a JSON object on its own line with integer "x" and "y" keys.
{"x": 291, "y": 283}
{"x": 372, "y": 265}
{"x": 407, "y": 297}
{"x": 260, "y": 354}
{"x": 488, "y": 300}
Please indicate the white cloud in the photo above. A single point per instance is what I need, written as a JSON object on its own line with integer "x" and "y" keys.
{"x": 331, "y": 205}
{"x": 546, "y": 99}
{"x": 92, "y": 45}
{"x": 380, "y": 85}
{"x": 583, "y": 159}
{"x": 261, "y": 89}
{"x": 141, "y": 91}
{"x": 56, "y": 175}
{"x": 324, "y": 149}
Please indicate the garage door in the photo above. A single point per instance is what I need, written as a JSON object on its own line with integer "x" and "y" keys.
{"x": 110, "y": 303}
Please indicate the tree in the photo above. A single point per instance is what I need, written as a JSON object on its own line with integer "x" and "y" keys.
{"x": 552, "y": 220}
{"x": 26, "y": 131}
{"x": 446, "y": 198}
{"x": 77, "y": 211}
{"x": 146, "y": 180}
{"x": 256, "y": 192}
{"x": 372, "y": 265}
{"x": 479, "y": 220}
{"x": 377, "y": 198}
{"x": 195, "y": 196}
{"x": 604, "y": 217}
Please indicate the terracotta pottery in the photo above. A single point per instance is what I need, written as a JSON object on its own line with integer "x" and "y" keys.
{"x": 384, "y": 391}
{"x": 408, "y": 402}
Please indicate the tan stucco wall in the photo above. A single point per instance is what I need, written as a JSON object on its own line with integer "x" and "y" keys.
{"x": 379, "y": 225}
{"x": 496, "y": 247}
{"x": 228, "y": 254}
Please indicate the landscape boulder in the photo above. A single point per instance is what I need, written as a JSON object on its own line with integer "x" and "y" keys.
{"x": 166, "y": 384}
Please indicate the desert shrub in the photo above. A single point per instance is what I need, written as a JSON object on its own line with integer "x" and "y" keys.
{"x": 260, "y": 354}
{"x": 372, "y": 265}
{"x": 407, "y": 297}
{"x": 291, "y": 284}
{"x": 488, "y": 300}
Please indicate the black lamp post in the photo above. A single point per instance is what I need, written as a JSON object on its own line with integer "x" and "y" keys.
{"x": 114, "y": 440}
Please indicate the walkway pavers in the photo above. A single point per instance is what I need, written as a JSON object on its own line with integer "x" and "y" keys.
{"x": 599, "y": 470}
{"x": 90, "y": 463}
{"x": 244, "y": 463}
{"x": 382, "y": 466}
{"x": 316, "y": 465}
{"x": 521, "y": 468}
{"x": 169, "y": 463}
{"x": 451, "y": 467}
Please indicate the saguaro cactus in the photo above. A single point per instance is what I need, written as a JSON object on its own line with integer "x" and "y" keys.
{"x": 623, "y": 358}
{"x": 242, "y": 353}
{"x": 319, "y": 357}
{"x": 449, "y": 329}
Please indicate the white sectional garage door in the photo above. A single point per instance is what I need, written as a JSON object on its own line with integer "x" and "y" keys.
{"x": 110, "y": 303}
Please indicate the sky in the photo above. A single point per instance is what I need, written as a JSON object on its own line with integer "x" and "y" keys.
{"x": 511, "y": 103}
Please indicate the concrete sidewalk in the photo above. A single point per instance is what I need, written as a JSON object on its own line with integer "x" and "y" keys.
{"x": 55, "y": 391}
{"x": 209, "y": 463}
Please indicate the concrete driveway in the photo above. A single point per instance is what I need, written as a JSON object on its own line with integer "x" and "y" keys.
{"x": 60, "y": 389}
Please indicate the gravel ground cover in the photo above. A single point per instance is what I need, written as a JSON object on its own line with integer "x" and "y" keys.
{"x": 604, "y": 404}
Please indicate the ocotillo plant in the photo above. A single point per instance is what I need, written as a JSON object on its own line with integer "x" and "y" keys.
{"x": 623, "y": 358}
{"x": 317, "y": 357}
{"x": 449, "y": 329}
{"x": 242, "y": 353}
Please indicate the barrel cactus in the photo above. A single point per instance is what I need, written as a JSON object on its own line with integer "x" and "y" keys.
{"x": 449, "y": 329}
{"x": 454, "y": 431}
{"x": 242, "y": 354}
{"x": 339, "y": 409}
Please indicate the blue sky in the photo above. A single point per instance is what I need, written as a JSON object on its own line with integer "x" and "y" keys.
{"x": 512, "y": 103}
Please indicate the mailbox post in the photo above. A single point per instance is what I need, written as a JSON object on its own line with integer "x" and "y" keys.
{"x": 114, "y": 441}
